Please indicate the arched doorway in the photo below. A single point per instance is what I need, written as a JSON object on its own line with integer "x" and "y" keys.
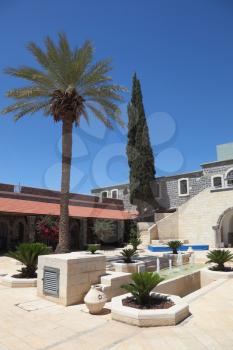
{"x": 3, "y": 235}
{"x": 225, "y": 229}
{"x": 20, "y": 232}
{"x": 75, "y": 236}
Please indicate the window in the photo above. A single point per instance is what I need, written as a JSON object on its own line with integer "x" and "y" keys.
{"x": 157, "y": 190}
{"x": 114, "y": 193}
{"x": 229, "y": 177}
{"x": 183, "y": 186}
{"x": 104, "y": 194}
{"x": 217, "y": 181}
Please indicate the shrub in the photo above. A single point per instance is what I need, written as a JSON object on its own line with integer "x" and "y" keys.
{"x": 103, "y": 228}
{"x": 135, "y": 240}
{"x": 142, "y": 285}
{"x": 47, "y": 229}
{"x": 93, "y": 248}
{"x": 219, "y": 257}
{"x": 27, "y": 254}
{"x": 128, "y": 254}
{"x": 174, "y": 245}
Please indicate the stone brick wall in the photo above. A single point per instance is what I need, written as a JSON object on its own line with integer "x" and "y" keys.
{"x": 169, "y": 191}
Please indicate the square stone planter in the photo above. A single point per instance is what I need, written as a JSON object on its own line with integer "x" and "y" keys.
{"x": 150, "y": 318}
{"x": 121, "y": 266}
{"x": 173, "y": 257}
{"x": 13, "y": 282}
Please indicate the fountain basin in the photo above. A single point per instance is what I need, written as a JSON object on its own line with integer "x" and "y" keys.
{"x": 175, "y": 257}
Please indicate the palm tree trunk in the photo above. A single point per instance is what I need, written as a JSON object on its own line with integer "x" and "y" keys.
{"x": 64, "y": 234}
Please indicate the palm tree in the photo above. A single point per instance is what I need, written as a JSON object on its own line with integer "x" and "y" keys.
{"x": 67, "y": 86}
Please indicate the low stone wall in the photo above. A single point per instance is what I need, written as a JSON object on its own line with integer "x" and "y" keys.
{"x": 111, "y": 283}
{"x": 77, "y": 272}
{"x": 180, "y": 286}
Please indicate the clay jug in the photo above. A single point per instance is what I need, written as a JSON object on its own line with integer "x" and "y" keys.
{"x": 95, "y": 300}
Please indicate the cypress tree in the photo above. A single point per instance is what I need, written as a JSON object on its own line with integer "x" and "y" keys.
{"x": 140, "y": 154}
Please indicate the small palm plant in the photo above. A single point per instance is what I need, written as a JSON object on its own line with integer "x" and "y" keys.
{"x": 27, "y": 254}
{"x": 128, "y": 254}
{"x": 219, "y": 257}
{"x": 142, "y": 285}
{"x": 135, "y": 239}
{"x": 93, "y": 248}
{"x": 174, "y": 245}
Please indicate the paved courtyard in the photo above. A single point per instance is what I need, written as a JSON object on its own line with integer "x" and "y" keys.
{"x": 28, "y": 322}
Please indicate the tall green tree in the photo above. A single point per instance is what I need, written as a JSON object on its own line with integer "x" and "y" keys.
{"x": 140, "y": 154}
{"x": 67, "y": 85}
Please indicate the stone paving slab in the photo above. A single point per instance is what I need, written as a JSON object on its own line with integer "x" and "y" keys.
{"x": 42, "y": 325}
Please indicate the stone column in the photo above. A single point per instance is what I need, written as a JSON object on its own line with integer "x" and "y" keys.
{"x": 120, "y": 230}
{"x": 83, "y": 233}
{"x": 31, "y": 228}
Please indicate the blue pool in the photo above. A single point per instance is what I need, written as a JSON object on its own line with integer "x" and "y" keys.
{"x": 164, "y": 248}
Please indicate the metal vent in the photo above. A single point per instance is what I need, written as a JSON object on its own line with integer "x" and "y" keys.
{"x": 51, "y": 281}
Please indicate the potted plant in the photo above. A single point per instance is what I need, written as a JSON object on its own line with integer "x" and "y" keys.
{"x": 92, "y": 248}
{"x": 27, "y": 254}
{"x": 128, "y": 254}
{"x": 127, "y": 264}
{"x": 142, "y": 307}
{"x": 140, "y": 288}
{"x": 174, "y": 245}
{"x": 220, "y": 257}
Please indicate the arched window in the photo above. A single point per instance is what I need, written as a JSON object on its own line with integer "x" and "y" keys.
{"x": 114, "y": 193}
{"x": 217, "y": 181}
{"x": 104, "y": 194}
{"x": 229, "y": 177}
{"x": 183, "y": 187}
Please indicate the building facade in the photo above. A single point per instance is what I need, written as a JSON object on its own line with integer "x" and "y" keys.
{"x": 173, "y": 191}
{"x": 203, "y": 196}
{"x": 21, "y": 207}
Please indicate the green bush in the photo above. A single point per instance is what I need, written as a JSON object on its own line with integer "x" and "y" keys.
{"x": 174, "y": 245}
{"x": 27, "y": 254}
{"x": 93, "y": 248}
{"x": 219, "y": 257}
{"x": 135, "y": 240}
{"x": 128, "y": 254}
{"x": 142, "y": 285}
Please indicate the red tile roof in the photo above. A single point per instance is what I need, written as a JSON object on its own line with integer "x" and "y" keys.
{"x": 29, "y": 207}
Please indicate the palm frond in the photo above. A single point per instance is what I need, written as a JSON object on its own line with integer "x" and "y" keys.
{"x": 30, "y": 74}
{"x": 63, "y": 69}
{"x": 100, "y": 115}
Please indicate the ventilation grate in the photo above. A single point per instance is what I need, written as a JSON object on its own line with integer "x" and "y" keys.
{"x": 51, "y": 281}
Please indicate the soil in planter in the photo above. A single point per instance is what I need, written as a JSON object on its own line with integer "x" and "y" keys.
{"x": 226, "y": 269}
{"x": 21, "y": 275}
{"x": 158, "y": 302}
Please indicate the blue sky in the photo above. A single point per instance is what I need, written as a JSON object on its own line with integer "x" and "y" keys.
{"x": 182, "y": 51}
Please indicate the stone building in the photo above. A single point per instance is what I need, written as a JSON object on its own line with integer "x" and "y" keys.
{"x": 21, "y": 206}
{"x": 206, "y": 194}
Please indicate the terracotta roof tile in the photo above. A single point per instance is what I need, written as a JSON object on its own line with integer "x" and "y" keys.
{"x": 26, "y": 207}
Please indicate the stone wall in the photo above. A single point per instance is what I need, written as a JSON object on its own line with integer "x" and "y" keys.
{"x": 197, "y": 220}
{"x": 169, "y": 192}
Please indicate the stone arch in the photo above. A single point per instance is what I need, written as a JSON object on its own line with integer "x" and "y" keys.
{"x": 75, "y": 235}
{"x": 4, "y": 234}
{"x": 19, "y": 230}
{"x": 221, "y": 236}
